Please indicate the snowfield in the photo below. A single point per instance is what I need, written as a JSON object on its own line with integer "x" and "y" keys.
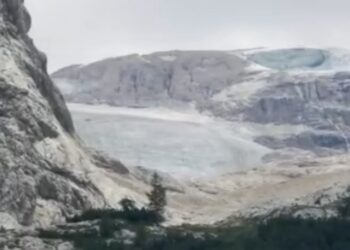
{"x": 147, "y": 113}
{"x": 180, "y": 144}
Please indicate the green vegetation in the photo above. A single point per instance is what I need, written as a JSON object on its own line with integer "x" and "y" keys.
{"x": 157, "y": 197}
{"x": 153, "y": 214}
{"x": 276, "y": 234}
{"x": 142, "y": 215}
{"x": 106, "y": 227}
{"x": 343, "y": 207}
{"x": 127, "y": 205}
{"x": 284, "y": 233}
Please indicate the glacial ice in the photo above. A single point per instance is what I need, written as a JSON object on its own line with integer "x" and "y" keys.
{"x": 193, "y": 144}
{"x": 302, "y": 59}
{"x": 183, "y": 145}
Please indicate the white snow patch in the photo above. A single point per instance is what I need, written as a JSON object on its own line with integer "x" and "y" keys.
{"x": 241, "y": 92}
{"x": 168, "y": 58}
{"x": 339, "y": 60}
{"x": 147, "y": 113}
{"x": 145, "y": 60}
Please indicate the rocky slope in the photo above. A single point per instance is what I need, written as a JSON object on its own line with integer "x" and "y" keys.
{"x": 45, "y": 174}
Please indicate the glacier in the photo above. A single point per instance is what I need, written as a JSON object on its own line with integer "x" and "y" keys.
{"x": 180, "y": 144}
{"x": 333, "y": 59}
{"x": 290, "y": 59}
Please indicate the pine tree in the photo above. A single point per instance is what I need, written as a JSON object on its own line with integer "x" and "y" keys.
{"x": 157, "y": 196}
{"x": 127, "y": 205}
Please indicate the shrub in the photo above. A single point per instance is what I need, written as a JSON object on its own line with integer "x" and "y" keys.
{"x": 106, "y": 227}
{"x": 127, "y": 205}
{"x": 94, "y": 214}
{"x": 50, "y": 234}
{"x": 344, "y": 208}
{"x": 141, "y": 236}
{"x": 134, "y": 216}
{"x": 275, "y": 234}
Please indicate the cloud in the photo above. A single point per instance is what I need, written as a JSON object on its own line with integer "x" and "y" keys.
{"x": 83, "y": 31}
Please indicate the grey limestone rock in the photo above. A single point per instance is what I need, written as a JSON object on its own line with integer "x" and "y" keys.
{"x": 40, "y": 160}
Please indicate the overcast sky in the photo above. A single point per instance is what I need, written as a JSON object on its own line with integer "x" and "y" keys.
{"x": 82, "y": 31}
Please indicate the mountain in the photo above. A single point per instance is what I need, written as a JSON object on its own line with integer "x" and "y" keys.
{"x": 288, "y": 98}
{"x": 254, "y": 130}
{"x": 47, "y": 174}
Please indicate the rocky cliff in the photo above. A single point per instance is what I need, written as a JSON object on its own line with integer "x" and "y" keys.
{"x": 44, "y": 172}
{"x": 167, "y": 78}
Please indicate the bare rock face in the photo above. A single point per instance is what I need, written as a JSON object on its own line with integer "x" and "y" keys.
{"x": 157, "y": 79}
{"x": 43, "y": 170}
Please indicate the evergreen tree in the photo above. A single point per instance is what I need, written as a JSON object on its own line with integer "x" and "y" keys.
{"x": 127, "y": 205}
{"x": 157, "y": 196}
